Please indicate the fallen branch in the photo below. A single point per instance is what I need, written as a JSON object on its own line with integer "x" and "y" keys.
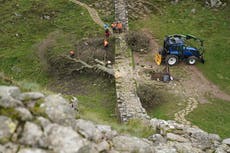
{"x": 100, "y": 67}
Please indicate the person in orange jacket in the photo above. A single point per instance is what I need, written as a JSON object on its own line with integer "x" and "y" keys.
{"x": 114, "y": 26}
{"x": 119, "y": 27}
{"x": 106, "y": 43}
{"x": 71, "y": 54}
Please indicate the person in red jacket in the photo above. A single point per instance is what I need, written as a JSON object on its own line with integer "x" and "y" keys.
{"x": 107, "y": 33}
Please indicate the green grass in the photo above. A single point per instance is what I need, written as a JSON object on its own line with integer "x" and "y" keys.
{"x": 210, "y": 25}
{"x": 22, "y": 28}
{"x": 213, "y": 26}
{"x": 166, "y": 108}
{"x": 213, "y": 117}
{"x": 99, "y": 105}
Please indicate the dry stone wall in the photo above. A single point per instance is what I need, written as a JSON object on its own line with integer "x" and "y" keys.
{"x": 128, "y": 103}
{"x": 121, "y": 12}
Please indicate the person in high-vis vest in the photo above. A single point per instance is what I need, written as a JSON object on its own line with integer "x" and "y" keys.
{"x": 114, "y": 26}
{"x": 106, "y": 43}
{"x": 119, "y": 27}
{"x": 71, "y": 54}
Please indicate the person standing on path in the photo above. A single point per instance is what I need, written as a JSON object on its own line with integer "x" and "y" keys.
{"x": 119, "y": 27}
{"x": 107, "y": 33}
{"x": 114, "y": 27}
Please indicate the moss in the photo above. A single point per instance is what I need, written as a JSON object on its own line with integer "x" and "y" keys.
{"x": 136, "y": 127}
{"x": 37, "y": 110}
{"x": 9, "y": 112}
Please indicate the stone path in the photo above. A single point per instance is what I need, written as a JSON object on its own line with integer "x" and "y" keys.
{"x": 180, "y": 116}
{"x": 93, "y": 13}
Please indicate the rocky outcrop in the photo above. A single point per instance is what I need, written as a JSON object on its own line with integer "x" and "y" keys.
{"x": 7, "y": 128}
{"x": 33, "y": 133}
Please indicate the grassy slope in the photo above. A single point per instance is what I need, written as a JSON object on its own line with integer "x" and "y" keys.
{"x": 22, "y": 29}
{"x": 17, "y": 53}
{"x": 214, "y": 27}
{"x": 213, "y": 117}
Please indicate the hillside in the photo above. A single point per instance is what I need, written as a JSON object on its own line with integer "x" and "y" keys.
{"x": 36, "y": 38}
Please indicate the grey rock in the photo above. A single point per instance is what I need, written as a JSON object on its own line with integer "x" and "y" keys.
{"x": 9, "y": 102}
{"x": 214, "y": 137}
{"x": 88, "y": 149}
{"x": 32, "y": 135}
{"x": 7, "y": 128}
{"x": 8, "y": 95}
{"x": 201, "y": 140}
{"x": 8, "y": 148}
{"x": 32, "y": 150}
{"x": 88, "y": 130}
{"x": 132, "y": 144}
{"x": 57, "y": 108}
{"x": 186, "y": 148}
{"x": 175, "y": 137}
{"x": 63, "y": 139}
{"x": 103, "y": 146}
{"x": 223, "y": 148}
{"x": 43, "y": 121}
{"x": 107, "y": 132}
{"x": 192, "y": 131}
{"x": 31, "y": 96}
{"x": 154, "y": 123}
{"x": 215, "y": 3}
{"x": 157, "y": 138}
{"x": 226, "y": 141}
{"x": 193, "y": 11}
{"x": 24, "y": 113}
{"x": 164, "y": 149}
{"x": 9, "y": 91}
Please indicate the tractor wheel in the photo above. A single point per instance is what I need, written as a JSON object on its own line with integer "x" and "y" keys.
{"x": 171, "y": 60}
{"x": 191, "y": 60}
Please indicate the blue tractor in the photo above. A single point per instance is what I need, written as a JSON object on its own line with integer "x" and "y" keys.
{"x": 180, "y": 48}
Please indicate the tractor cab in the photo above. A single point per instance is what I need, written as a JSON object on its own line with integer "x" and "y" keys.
{"x": 176, "y": 48}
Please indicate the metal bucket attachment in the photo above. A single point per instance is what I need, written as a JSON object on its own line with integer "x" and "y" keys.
{"x": 158, "y": 59}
